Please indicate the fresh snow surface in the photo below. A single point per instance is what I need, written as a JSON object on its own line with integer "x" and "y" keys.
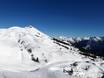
{"x": 29, "y": 53}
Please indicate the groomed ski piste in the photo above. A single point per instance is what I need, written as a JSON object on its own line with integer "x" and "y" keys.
{"x": 29, "y": 53}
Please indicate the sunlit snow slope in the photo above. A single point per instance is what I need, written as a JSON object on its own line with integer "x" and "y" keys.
{"x": 29, "y": 53}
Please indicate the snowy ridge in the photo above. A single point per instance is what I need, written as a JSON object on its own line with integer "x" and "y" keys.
{"x": 94, "y": 45}
{"x": 24, "y": 39}
{"x": 77, "y": 39}
{"x": 29, "y": 53}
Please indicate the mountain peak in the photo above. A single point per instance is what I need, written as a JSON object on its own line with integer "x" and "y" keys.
{"x": 28, "y": 49}
{"x": 20, "y": 41}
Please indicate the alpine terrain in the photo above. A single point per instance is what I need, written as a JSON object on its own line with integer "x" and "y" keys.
{"x": 29, "y": 53}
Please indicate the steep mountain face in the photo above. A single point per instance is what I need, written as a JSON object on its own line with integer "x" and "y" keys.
{"x": 29, "y": 53}
{"x": 23, "y": 44}
{"x": 94, "y": 45}
{"x": 29, "y": 46}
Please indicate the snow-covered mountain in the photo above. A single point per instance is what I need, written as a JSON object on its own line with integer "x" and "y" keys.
{"x": 29, "y": 53}
{"x": 78, "y": 39}
{"x": 93, "y": 45}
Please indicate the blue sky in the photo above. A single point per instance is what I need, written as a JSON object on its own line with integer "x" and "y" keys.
{"x": 55, "y": 17}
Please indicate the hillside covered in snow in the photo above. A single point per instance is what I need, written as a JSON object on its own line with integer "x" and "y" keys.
{"x": 93, "y": 45}
{"x": 29, "y": 53}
